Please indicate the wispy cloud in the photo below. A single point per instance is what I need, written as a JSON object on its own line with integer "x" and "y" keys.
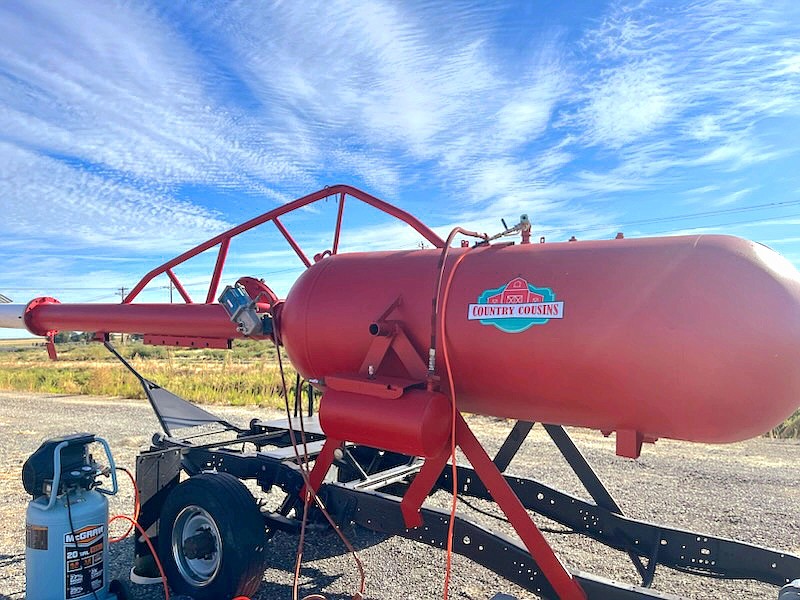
{"x": 463, "y": 113}
{"x": 82, "y": 209}
{"x": 704, "y": 72}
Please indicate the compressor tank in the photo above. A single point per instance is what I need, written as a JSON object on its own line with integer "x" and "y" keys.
{"x": 692, "y": 338}
{"x": 79, "y": 560}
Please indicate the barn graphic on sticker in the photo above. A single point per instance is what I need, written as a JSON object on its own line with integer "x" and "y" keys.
{"x": 516, "y": 306}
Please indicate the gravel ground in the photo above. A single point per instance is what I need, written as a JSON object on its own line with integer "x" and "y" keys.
{"x": 745, "y": 491}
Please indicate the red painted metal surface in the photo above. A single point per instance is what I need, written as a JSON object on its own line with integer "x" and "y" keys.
{"x": 221, "y": 256}
{"x": 187, "y": 341}
{"x": 562, "y": 581}
{"x": 417, "y": 423}
{"x": 29, "y": 318}
{"x": 176, "y": 320}
{"x": 692, "y": 338}
{"x": 179, "y": 286}
{"x": 337, "y": 232}
{"x": 288, "y": 237}
{"x": 341, "y": 190}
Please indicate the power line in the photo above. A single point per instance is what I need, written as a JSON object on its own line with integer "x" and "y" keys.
{"x": 698, "y": 215}
{"x": 748, "y": 222}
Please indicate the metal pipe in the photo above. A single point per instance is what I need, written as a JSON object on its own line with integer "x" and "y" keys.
{"x": 11, "y": 316}
{"x": 206, "y": 320}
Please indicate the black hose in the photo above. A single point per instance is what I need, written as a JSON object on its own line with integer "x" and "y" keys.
{"x": 78, "y": 550}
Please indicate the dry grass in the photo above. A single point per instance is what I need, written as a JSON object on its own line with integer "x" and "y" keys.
{"x": 21, "y": 343}
{"x": 247, "y": 375}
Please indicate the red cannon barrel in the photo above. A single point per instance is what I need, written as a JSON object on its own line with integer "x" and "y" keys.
{"x": 188, "y": 320}
{"x": 693, "y": 338}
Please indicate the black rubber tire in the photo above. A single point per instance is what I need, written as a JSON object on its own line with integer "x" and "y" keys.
{"x": 241, "y": 529}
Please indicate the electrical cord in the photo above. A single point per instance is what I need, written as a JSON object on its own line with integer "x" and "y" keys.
{"x": 133, "y": 523}
{"x": 454, "y": 416}
{"x": 77, "y": 548}
{"x": 149, "y": 543}
{"x": 438, "y": 330}
{"x": 311, "y": 494}
{"x": 136, "y": 507}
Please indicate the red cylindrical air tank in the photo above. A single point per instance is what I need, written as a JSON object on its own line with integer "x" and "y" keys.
{"x": 694, "y": 338}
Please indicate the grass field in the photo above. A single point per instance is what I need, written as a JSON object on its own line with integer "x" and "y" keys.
{"x": 246, "y": 375}
{"x": 21, "y": 343}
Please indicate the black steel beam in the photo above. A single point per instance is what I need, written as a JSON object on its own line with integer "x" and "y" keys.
{"x": 512, "y": 444}
{"x": 592, "y": 483}
{"x": 582, "y": 468}
{"x": 504, "y": 556}
{"x": 685, "y": 551}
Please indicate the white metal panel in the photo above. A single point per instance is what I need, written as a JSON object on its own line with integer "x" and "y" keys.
{"x": 11, "y": 316}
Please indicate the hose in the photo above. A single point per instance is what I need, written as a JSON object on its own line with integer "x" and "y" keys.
{"x": 438, "y": 327}
{"x": 133, "y": 523}
{"x": 311, "y": 494}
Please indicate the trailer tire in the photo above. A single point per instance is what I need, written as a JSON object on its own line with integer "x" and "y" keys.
{"x": 212, "y": 538}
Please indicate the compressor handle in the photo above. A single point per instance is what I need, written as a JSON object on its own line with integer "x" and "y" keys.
{"x": 112, "y": 466}
{"x": 57, "y": 470}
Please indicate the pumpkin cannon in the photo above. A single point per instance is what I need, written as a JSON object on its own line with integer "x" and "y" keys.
{"x": 692, "y": 338}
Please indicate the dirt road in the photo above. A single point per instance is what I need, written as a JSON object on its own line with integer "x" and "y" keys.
{"x": 746, "y": 491}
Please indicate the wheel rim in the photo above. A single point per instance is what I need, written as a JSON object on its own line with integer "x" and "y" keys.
{"x": 190, "y": 522}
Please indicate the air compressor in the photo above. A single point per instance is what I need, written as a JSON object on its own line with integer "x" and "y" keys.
{"x": 66, "y": 523}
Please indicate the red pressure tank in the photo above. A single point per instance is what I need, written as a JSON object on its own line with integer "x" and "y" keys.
{"x": 693, "y": 338}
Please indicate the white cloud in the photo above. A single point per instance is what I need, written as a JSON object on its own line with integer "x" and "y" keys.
{"x": 86, "y": 210}
{"x": 108, "y": 108}
{"x": 734, "y": 197}
{"x": 700, "y": 73}
{"x": 114, "y": 85}
{"x": 627, "y": 103}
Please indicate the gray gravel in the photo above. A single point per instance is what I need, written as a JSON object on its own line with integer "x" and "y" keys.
{"x": 745, "y": 491}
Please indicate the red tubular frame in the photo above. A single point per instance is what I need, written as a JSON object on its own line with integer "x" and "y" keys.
{"x": 179, "y": 286}
{"x": 564, "y": 584}
{"x": 335, "y": 247}
{"x": 223, "y": 254}
{"x": 224, "y": 239}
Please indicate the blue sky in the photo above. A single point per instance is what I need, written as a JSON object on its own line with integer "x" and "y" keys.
{"x": 131, "y": 131}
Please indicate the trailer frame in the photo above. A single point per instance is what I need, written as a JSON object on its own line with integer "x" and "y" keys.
{"x": 368, "y": 485}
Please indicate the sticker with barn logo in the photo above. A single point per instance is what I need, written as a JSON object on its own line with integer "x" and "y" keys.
{"x": 516, "y": 306}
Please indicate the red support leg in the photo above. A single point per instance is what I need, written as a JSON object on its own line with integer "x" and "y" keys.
{"x": 562, "y": 581}
{"x": 420, "y": 488}
{"x": 321, "y": 465}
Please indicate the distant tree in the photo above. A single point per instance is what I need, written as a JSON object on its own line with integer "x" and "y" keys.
{"x": 62, "y": 337}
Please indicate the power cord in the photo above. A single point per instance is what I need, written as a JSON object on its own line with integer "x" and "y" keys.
{"x": 311, "y": 494}
{"x": 77, "y": 548}
{"x": 438, "y": 330}
{"x": 133, "y": 523}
